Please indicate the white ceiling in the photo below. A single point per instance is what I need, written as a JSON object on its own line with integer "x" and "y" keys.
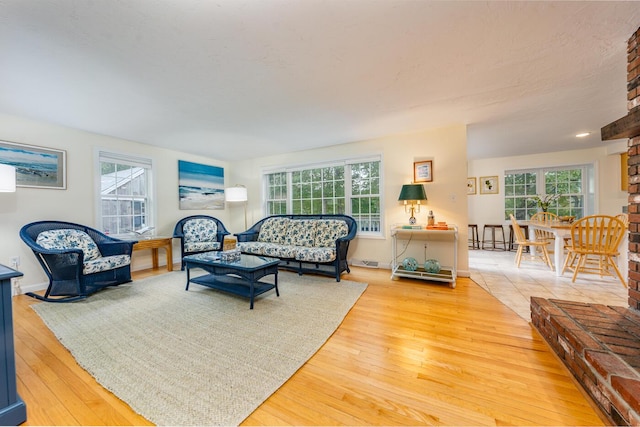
{"x": 233, "y": 79}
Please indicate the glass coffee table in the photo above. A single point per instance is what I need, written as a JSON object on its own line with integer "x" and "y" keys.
{"x": 240, "y": 277}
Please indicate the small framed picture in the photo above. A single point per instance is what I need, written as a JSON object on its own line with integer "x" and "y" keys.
{"x": 423, "y": 171}
{"x": 488, "y": 185}
{"x": 471, "y": 186}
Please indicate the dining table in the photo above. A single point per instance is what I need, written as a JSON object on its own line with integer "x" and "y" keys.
{"x": 562, "y": 230}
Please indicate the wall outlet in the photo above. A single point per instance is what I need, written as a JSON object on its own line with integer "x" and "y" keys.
{"x": 15, "y": 261}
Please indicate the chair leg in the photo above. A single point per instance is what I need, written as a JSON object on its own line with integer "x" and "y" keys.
{"x": 519, "y": 255}
{"x": 615, "y": 267}
{"x": 547, "y": 258}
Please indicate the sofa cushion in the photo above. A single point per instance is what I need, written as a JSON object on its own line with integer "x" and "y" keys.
{"x": 201, "y": 246}
{"x": 200, "y": 230}
{"x": 301, "y": 232}
{"x": 316, "y": 254}
{"x": 273, "y": 230}
{"x": 69, "y": 238}
{"x": 105, "y": 263}
{"x": 328, "y": 231}
{"x": 255, "y": 248}
{"x": 280, "y": 251}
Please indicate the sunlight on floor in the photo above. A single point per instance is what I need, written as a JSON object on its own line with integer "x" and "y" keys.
{"x": 496, "y": 272}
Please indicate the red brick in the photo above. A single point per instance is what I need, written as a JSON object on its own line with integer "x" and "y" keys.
{"x": 629, "y": 389}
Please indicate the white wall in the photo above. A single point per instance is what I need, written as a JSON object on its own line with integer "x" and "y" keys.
{"x": 76, "y": 203}
{"x": 446, "y": 194}
{"x": 489, "y": 208}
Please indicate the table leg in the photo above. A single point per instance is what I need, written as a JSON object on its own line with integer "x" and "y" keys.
{"x": 169, "y": 250}
{"x": 558, "y": 256}
{"x": 154, "y": 257}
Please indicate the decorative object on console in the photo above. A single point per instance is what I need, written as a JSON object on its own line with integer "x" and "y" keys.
{"x": 431, "y": 219}
{"x": 488, "y": 185}
{"x": 7, "y": 179}
{"x": 412, "y": 194}
{"x": 410, "y": 264}
{"x": 432, "y": 266}
{"x": 237, "y": 194}
{"x": 37, "y": 167}
{"x": 423, "y": 171}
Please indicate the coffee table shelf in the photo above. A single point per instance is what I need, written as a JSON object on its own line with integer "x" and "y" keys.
{"x": 233, "y": 285}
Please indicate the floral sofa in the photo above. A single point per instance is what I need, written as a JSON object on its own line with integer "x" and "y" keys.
{"x": 77, "y": 259}
{"x": 304, "y": 243}
{"x": 199, "y": 233}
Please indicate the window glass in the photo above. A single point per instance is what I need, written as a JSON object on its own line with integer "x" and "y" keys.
{"x": 324, "y": 190}
{"x": 124, "y": 193}
{"x": 562, "y": 191}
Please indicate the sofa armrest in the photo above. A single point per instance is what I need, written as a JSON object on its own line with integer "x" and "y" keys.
{"x": 247, "y": 236}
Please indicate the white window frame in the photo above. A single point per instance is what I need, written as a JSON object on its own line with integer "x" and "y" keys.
{"x": 136, "y": 160}
{"x": 588, "y": 182}
{"x": 347, "y": 186}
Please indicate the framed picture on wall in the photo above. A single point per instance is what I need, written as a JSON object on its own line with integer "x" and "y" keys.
{"x": 200, "y": 186}
{"x": 423, "y": 171}
{"x": 36, "y": 167}
{"x": 488, "y": 185}
{"x": 471, "y": 185}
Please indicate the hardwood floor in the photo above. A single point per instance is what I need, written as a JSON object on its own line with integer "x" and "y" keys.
{"x": 408, "y": 353}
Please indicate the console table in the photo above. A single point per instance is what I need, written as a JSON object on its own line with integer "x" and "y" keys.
{"x": 154, "y": 243}
{"x": 13, "y": 411}
{"x": 449, "y": 237}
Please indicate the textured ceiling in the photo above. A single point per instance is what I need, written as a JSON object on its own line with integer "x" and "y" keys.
{"x": 233, "y": 79}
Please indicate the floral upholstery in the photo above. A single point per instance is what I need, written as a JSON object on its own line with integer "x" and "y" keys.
{"x": 328, "y": 231}
{"x": 94, "y": 262}
{"x": 68, "y": 238}
{"x": 105, "y": 263}
{"x": 301, "y": 232}
{"x": 201, "y": 246}
{"x": 316, "y": 254}
{"x": 200, "y": 230}
{"x": 273, "y": 230}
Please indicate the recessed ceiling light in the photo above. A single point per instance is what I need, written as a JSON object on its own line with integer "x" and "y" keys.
{"x": 583, "y": 134}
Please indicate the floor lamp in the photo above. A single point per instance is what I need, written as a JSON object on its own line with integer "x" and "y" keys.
{"x": 237, "y": 194}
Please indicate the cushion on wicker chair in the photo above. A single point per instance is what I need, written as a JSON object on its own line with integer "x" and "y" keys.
{"x": 67, "y": 238}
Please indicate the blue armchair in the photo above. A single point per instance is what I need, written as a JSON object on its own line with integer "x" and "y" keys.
{"x": 77, "y": 259}
{"x": 199, "y": 233}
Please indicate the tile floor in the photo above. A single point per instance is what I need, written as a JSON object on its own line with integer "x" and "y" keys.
{"x": 497, "y": 273}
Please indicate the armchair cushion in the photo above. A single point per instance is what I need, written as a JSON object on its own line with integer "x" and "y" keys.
{"x": 105, "y": 263}
{"x": 68, "y": 238}
{"x": 200, "y": 230}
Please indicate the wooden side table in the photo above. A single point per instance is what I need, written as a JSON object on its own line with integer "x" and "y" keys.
{"x": 154, "y": 243}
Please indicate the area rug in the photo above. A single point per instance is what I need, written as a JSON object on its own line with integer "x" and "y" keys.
{"x": 199, "y": 357}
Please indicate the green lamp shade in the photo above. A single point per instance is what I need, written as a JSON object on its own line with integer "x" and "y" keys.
{"x": 412, "y": 192}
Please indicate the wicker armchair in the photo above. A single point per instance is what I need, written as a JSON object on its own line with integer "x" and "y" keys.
{"x": 78, "y": 260}
{"x": 199, "y": 233}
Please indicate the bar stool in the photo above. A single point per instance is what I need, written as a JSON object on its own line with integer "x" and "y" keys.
{"x": 474, "y": 240}
{"x": 512, "y": 246}
{"x": 492, "y": 229}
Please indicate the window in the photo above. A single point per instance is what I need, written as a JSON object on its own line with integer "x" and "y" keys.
{"x": 351, "y": 188}
{"x": 125, "y": 193}
{"x": 571, "y": 183}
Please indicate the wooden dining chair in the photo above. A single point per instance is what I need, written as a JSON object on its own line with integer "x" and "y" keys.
{"x": 594, "y": 245}
{"x": 542, "y": 235}
{"x": 522, "y": 243}
{"x": 624, "y": 218}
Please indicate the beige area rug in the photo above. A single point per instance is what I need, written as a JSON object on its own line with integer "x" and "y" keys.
{"x": 199, "y": 357}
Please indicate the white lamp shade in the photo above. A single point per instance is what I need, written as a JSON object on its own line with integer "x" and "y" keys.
{"x": 7, "y": 178}
{"x": 235, "y": 194}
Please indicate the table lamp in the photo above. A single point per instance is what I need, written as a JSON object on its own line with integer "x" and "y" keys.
{"x": 412, "y": 195}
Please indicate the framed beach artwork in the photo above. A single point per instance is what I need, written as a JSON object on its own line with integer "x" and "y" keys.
{"x": 36, "y": 167}
{"x": 488, "y": 185}
{"x": 471, "y": 186}
{"x": 423, "y": 171}
{"x": 200, "y": 186}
